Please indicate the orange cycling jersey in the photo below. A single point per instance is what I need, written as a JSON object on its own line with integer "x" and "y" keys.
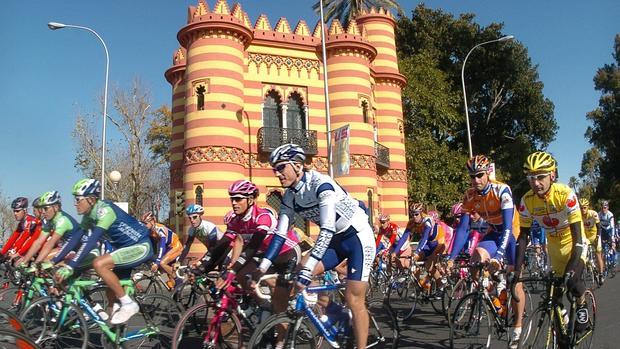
{"x": 436, "y": 233}
{"x": 167, "y": 240}
{"x": 489, "y": 205}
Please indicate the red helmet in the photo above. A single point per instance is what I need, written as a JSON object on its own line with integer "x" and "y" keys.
{"x": 243, "y": 188}
{"x": 147, "y": 216}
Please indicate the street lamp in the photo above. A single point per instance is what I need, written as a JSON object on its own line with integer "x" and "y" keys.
{"x": 55, "y": 26}
{"x": 503, "y": 38}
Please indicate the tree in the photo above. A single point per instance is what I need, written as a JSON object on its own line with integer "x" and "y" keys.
{"x": 509, "y": 115}
{"x": 343, "y": 10}
{"x": 604, "y": 132}
{"x": 145, "y": 180}
{"x": 160, "y": 134}
{"x": 7, "y": 219}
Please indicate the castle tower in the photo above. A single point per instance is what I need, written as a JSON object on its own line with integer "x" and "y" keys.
{"x": 388, "y": 84}
{"x": 349, "y": 56}
{"x": 215, "y": 139}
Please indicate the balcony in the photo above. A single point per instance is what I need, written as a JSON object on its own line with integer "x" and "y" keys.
{"x": 382, "y": 153}
{"x": 269, "y": 138}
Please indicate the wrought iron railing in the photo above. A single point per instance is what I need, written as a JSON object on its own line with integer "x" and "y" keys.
{"x": 269, "y": 138}
{"x": 383, "y": 155}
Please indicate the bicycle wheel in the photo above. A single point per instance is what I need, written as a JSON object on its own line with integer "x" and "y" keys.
{"x": 459, "y": 290}
{"x": 471, "y": 323}
{"x": 544, "y": 332}
{"x": 383, "y": 328}
{"x": 193, "y": 328}
{"x": 158, "y": 317}
{"x": 435, "y": 295}
{"x": 148, "y": 284}
{"x": 11, "y": 299}
{"x": 509, "y": 316}
{"x": 10, "y": 321}
{"x": 11, "y": 339}
{"x": 295, "y": 331}
{"x": 402, "y": 297}
{"x": 586, "y": 339}
{"x": 42, "y": 320}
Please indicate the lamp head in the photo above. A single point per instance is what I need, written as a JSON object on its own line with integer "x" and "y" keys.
{"x": 507, "y": 37}
{"x": 55, "y": 25}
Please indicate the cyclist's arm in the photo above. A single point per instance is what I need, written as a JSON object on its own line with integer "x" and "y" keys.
{"x": 10, "y": 242}
{"x": 162, "y": 248}
{"x": 36, "y": 246}
{"x": 186, "y": 246}
{"x": 460, "y": 236}
{"x": 507, "y": 217}
{"x": 69, "y": 245}
{"x": 578, "y": 246}
{"x": 401, "y": 242}
{"x": 424, "y": 239}
{"x": 278, "y": 240}
{"x": 32, "y": 237}
{"x": 48, "y": 247}
{"x": 90, "y": 244}
{"x": 249, "y": 251}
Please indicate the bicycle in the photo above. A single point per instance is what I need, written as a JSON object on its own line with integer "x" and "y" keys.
{"x": 301, "y": 325}
{"x": 609, "y": 257}
{"x": 591, "y": 274}
{"x": 476, "y": 319}
{"x": 554, "y": 328}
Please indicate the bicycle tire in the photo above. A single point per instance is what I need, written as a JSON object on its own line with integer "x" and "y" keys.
{"x": 8, "y": 299}
{"x": 586, "y": 340}
{"x": 526, "y": 324}
{"x": 302, "y": 336}
{"x": 545, "y": 333}
{"x": 471, "y": 323}
{"x": 193, "y": 325}
{"x": 402, "y": 297}
{"x": 383, "y": 331}
{"x": 10, "y": 321}
{"x": 41, "y": 322}
{"x": 12, "y": 339}
{"x": 460, "y": 290}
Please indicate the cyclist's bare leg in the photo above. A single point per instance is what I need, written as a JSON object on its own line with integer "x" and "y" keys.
{"x": 103, "y": 265}
{"x": 520, "y": 306}
{"x": 355, "y": 295}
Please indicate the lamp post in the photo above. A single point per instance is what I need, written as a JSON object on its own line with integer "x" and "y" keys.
{"x": 326, "y": 91}
{"x": 55, "y": 26}
{"x": 503, "y": 38}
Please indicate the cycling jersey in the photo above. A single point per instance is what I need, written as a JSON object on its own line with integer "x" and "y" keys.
{"x": 27, "y": 232}
{"x": 108, "y": 221}
{"x": 427, "y": 229}
{"x": 207, "y": 233}
{"x": 167, "y": 240}
{"x": 590, "y": 221}
{"x": 607, "y": 224}
{"x": 555, "y": 212}
{"x": 494, "y": 204}
{"x": 62, "y": 225}
{"x": 318, "y": 198}
{"x": 390, "y": 232}
{"x": 537, "y": 234}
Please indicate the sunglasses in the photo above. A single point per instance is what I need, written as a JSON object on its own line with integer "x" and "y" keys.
{"x": 279, "y": 168}
{"x": 415, "y": 214}
{"x": 194, "y": 217}
{"x": 77, "y": 199}
{"x": 538, "y": 177}
{"x": 45, "y": 208}
{"x": 17, "y": 211}
{"x": 477, "y": 175}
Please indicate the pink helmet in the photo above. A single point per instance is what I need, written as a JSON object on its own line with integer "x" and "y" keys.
{"x": 243, "y": 189}
{"x": 457, "y": 209}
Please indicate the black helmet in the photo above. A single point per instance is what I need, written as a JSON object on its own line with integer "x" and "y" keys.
{"x": 21, "y": 203}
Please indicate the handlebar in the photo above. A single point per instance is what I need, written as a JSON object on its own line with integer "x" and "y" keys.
{"x": 258, "y": 289}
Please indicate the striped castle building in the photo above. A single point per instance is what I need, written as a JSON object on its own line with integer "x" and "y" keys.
{"x": 241, "y": 90}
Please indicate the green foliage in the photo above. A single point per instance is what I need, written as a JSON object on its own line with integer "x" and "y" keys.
{"x": 601, "y": 164}
{"x": 343, "y": 10}
{"x": 509, "y": 115}
{"x": 159, "y": 134}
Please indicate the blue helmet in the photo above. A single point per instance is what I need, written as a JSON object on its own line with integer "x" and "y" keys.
{"x": 287, "y": 152}
{"x": 194, "y": 209}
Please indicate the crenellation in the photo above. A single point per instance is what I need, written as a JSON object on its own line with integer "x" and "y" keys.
{"x": 335, "y": 28}
{"x": 221, "y": 7}
{"x": 282, "y": 26}
{"x": 302, "y": 28}
{"x": 262, "y": 23}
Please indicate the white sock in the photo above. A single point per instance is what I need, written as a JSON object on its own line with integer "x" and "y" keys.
{"x": 125, "y": 300}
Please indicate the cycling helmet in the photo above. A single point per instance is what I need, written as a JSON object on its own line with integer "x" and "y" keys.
{"x": 147, "y": 216}
{"x": 36, "y": 203}
{"x": 287, "y": 152}
{"x": 384, "y": 218}
{"x": 243, "y": 188}
{"x": 194, "y": 209}
{"x": 583, "y": 202}
{"x": 457, "y": 209}
{"x": 21, "y": 203}
{"x": 539, "y": 162}
{"x": 478, "y": 163}
{"x": 49, "y": 198}
{"x": 87, "y": 187}
{"x": 416, "y": 207}
{"x": 605, "y": 203}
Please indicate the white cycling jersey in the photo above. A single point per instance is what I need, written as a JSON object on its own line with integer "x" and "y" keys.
{"x": 607, "y": 220}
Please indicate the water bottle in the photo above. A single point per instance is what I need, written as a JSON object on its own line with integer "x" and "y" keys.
{"x": 333, "y": 313}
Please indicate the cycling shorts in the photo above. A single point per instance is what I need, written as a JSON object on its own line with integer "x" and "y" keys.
{"x": 428, "y": 249}
{"x": 358, "y": 247}
{"x": 491, "y": 241}
{"x": 559, "y": 253}
{"x": 127, "y": 258}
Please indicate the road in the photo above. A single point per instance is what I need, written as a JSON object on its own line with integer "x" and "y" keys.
{"x": 430, "y": 330}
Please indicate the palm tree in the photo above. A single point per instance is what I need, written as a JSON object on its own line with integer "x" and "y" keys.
{"x": 343, "y": 10}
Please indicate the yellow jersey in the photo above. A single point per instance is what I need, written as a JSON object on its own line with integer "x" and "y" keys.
{"x": 555, "y": 212}
{"x": 590, "y": 220}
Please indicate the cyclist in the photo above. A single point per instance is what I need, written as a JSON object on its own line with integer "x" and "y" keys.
{"x": 344, "y": 230}
{"x": 492, "y": 200}
{"x": 130, "y": 240}
{"x": 257, "y": 227}
{"x": 388, "y": 232}
{"x": 538, "y": 239}
{"x": 57, "y": 228}
{"x": 607, "y": 225}
{"x": 168, "y": 247}
{"x": 556, "y": 208}
{"x": 592, "y": 226}
{"x": 218, "y": 244}
{"x": 431, "y": 243}
{"x": 27, "y": 231}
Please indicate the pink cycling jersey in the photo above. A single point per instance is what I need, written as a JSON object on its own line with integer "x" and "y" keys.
{"x": 259, "y": 221}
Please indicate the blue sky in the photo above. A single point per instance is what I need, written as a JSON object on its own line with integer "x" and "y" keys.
{"x": 47, "y": 77}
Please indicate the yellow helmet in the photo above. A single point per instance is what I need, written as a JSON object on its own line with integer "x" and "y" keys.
{"x": 583, "y": 202}
{"x": 539, "y": 162}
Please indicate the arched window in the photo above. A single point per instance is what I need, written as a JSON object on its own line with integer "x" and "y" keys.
{"x": 365, "y": 112}
{"x": 200, "y": 97}
{"x": 198, "y": 193}
{"x": 272, "y": 110}
{"x": 371, "y": 211}
{"x": 295, "y": 115}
